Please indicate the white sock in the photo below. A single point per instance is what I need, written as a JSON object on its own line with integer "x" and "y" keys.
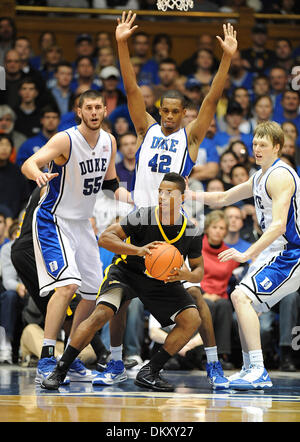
{"x": 256, "y": 358}
{"x": 47, "y": 342}
{"x": 116, "y": 353}
{"x": 211, "y": 354}
{"x": 246, "y": 359}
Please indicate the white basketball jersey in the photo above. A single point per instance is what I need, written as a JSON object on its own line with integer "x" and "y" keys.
{"x": 73, "y": 193}
{"x": 263, "y": 206}
{"x": 158, "y": 155}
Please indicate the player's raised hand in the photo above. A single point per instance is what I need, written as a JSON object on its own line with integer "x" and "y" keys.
{"x": 229, "y": 44}
{"x": 44, "y": 178}
{"x": 125, "y": 26}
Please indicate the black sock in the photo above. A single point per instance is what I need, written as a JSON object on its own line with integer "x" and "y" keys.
{"x": 159, "y": 359}
{"x": 97, "y": 345}
{"x": 67, "y": 358}
{"x": 47, "y": 351}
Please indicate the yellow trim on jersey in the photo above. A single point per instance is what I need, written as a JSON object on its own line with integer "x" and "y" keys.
{"x": 125, "y": 256}
{"x": 106, "y": 273}
{"x": 170, "y": 241}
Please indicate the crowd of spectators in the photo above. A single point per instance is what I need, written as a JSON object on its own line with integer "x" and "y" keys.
{"x": 40, "y": 99}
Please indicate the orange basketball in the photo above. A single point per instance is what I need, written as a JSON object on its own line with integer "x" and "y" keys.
{"x": 162, "y": 260}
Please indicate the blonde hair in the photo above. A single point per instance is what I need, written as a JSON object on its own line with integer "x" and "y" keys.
{"x": 272, "y": 130}
{"x": 213, "y": 217}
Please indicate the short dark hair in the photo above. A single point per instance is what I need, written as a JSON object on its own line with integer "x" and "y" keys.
{"x": 175, "y": 178}
{"x": 63, "y": 63}
{"x": 90, "y": 94}
{"x": 82, "y": 57}
{"x": 168, "y": 60}
{"x": 49, "y": 108}
{"x": 176, "y": 95}
{"x": 7, "y": 137}
{"x": 28, "y": 80}
{"x": 236, "y": 166}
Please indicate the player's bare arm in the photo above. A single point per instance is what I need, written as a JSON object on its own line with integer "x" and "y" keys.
{"x": 136, "y": 105}
{"x": 197, "y": 129}
{"x": 280, "y": 186}
{"x": 57, "y": 149}
{"x": 185, "y": 274}
{"x": 113, "y": 239}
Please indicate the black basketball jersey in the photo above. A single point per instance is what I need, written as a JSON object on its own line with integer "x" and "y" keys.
{"x": 143, "y": 226}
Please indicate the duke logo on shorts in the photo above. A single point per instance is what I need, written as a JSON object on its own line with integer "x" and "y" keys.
{"x": 157, "y": 155}
{"x": 65, "y": 244}
{"x": 276, "y": 271}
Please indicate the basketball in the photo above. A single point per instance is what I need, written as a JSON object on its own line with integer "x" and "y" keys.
{"x": 162, "y": 260}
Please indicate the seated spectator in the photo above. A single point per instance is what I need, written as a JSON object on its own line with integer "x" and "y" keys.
{"x": 85, "y": 75}
{"x": 161, "y": 49}
{"x": 215, "y": 282}
{"x": 120, "y": 127}
{"x": 262, "y": 111}
{"x": 231, "y": 131}
{"x": 8, "y": 33}
{"x": 46, "y": 39}
{"x": 149, "y": 99}
{"x": 7, "y": 126}
{"x": 12, "y": 301}
{"x": 240, "y": 150}
{"x": 102, "y": 40}
{"x": 28, "y": 113}
{"x": 3, "y": 231}
{"x": 49, "y": 125}
{"x": 239, "y": 75}
{"x": 291, "y": 129}
{"x": 168, "y": 76}
{"x": 140, "y": 49}
{"x": 289, "y": 110}
{"x": 279, "y": 82}
{"x": 258, "y": 57}
{"x": 104, "y": 57}
{"x": 113, "y": 96}
{"x": 235, "y": 225}
{"x": 84, "y": 46}
{"x": 70, "y": 119}
{"x": 188, "y": 66}
{"x": 193, "y": 91}
{"x": 13, "y": 77}
{"x": 23, "y": 47}
{"x": 204, "y": 72}
{"x": 240, "y": 174}
{"x": 242, "y": 96}
{"x": 125, "y": 168}
{"x": 284, "y": 54}
{"x": 228, "y": 159}
{"x": 61, "y": 90}
{"x": 14, "y": 190}
{"x": 53, "y": 56}
{"x": 261, "y": 86}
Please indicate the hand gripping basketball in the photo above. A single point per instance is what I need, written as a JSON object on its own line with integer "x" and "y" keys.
{"x": 163, "y": 259}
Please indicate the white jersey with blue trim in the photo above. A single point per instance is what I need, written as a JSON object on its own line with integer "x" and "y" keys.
{"x": 72, "y": 194}
{"x": 263, "y": 206}
{"x": 157, "y": 155}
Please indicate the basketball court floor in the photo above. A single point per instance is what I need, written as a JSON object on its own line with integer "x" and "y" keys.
{"x": 192, "y": 402}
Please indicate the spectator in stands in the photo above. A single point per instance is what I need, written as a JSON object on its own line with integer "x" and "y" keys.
{"x": 3, "y": 233}
{"x": 258, "y": 58}
{"x": 213, "y": 185}
{"x": 14, "y": 191}
{"x": 84, "y": 45}
{"x": 161, "y": 49}
{"x": 215, "y": 282}
{"x": 279, "y": 83}
{"x": 291, "y": 129}
{"x": 102, "y": 40}
{"x": 61, "y": 91}
{"x": 46, "y": 39}
{"x": 125, "y": 168}
{"x": 14, "y": 75}
{"x": 140, "y": 49}
{"x": 53, "y": 56}
{"x": 70, "y": 118}
{"x": 284, "y": 54}
{"x": 262, "y": 111}
{"x": 289, "y": 110}
{"x": 49, "y": 123}
{"x": 27, "y": 113}
{"x": 261, "y": 86}
{"x": 7, "y": 126}
{"x": 239, "y": 75}
{"x": 240, "y": 150}
{"x": 193, "y": 91}
{"x": 120, "y": 127}
{"x": 113, "y": 96}
{"x": 168, "y": 75}
{"x": 104, "y": 57}
{"x": 12, "y": 300}
{"x": 231, "y": 131}
{"x": 241, "y": 95}
{"x": 204, "y": 71}
{"x": 228, "y": 159}
{"x": 188, "y": 66}
{"x": 240, "y": 174}
{"x": 235, "y": 225}
{"x": 85, "y": 75}
{"x": 23, "y": 47}
{"x": 149, "y": 99}
{"x": 8, "y": 33}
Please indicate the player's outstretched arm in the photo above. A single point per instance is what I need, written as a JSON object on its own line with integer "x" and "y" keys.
{"x": 280, "y": 187}
{"x": 136, "y": 105}
{"x": 197, "y": 129}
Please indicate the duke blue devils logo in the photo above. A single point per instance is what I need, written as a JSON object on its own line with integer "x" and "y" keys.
{"x": 266, "y": 283}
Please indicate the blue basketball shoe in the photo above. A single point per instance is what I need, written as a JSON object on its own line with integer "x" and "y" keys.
{"x": 115, "y": 372}
{"x": 216, "y": 376}
{"x": 254, "y": 378}
{"x": 44, "y": 368}
{"x": 79, "y": 373}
